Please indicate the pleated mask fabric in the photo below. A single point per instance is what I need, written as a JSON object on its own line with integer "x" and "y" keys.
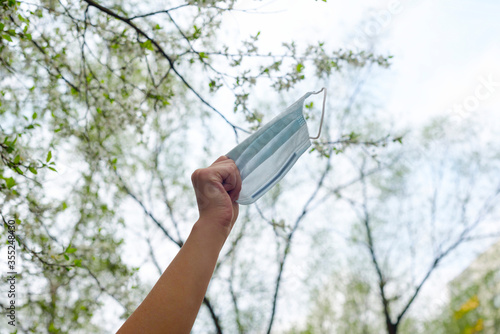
{"x": 265, "y": 157}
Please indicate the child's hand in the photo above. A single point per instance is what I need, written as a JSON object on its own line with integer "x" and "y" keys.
{"x": 217, "y": 188}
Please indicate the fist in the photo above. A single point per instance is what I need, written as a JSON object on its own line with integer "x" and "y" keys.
{"x": 217, "y": 188}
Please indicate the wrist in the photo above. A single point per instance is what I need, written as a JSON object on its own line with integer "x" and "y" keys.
{"x": 222, "y": 216}
{"x": 211, "y": 229}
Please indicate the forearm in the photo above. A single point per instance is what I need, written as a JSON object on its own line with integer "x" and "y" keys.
{"x": 173, "y": 303}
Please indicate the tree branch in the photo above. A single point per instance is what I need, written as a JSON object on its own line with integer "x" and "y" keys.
{"x": 147, "y": 212}
{"x": 214, "y": 316}
{"x": 381, "y": 279}
{"x": 486, "y": 208}
{"x": 288, "y": 243}
{"x": 167, "y": 57}
{"x": 158, "y": 12}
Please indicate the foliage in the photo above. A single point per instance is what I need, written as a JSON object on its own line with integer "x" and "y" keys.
{"x": 474, "y": 303}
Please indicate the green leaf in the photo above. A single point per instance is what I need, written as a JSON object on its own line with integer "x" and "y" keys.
{"x": 147, "y": 45}
{"x": 7, "y": 37}
{"x": 66, "y": 257}
{"x": 18, "y": 170}
{"x": 197, "y": 32}
{"x": 78, "y": 262}
{"x": 34, "y": 116}
{"x": 70, "y": 250}
{"x": 52, "y": 328}
{"x": 10, "y": 182}
{"x": 17, "y": 159}
{"x": 49, "y": 156}
{"x": 300, "y": 67}
{"x": 106, "y": 95}
{"x": 33, "y": 170}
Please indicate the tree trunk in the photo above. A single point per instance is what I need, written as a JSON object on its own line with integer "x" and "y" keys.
{"x": 392, "y": 328}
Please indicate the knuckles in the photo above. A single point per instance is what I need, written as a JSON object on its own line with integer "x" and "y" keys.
{"x": 234, "y": 168}
{"x": 200, "y": 174}
{"x": 195, "y": 176}
{"x": 205, "y": 174}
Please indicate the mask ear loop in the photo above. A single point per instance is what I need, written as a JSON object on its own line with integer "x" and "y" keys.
{"x": 322, "y": 113}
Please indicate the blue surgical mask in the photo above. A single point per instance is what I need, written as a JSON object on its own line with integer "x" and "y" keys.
{"x": 265, "y": 157}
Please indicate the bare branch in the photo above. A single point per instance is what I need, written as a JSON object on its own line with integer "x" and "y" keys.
{"x": 463, "y": 237}
{"x": 147, "y": 212}
{"x": 153, "y": 257}
{"x": 214, "y": 316}
{"x": 288, "y": 242}
{"x": 158, "y": 12}
{"x": 381, "y": 279}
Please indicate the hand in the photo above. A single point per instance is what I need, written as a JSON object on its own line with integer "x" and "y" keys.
{"x": 217, "y": 188}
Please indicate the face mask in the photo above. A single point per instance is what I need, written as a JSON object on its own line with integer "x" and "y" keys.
{"x": 266, "y": 156}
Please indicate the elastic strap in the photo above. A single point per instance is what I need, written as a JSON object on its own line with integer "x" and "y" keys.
{"x": 322, "y": 113}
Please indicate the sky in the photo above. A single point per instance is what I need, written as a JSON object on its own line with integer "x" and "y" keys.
{"x": 440, "y": 48}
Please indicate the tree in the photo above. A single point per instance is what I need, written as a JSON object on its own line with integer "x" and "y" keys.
{"x": 97, "y": 101}
{"x": 409, "y": 221}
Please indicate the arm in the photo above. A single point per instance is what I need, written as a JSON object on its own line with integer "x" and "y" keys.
{"x": 173, "y": 303}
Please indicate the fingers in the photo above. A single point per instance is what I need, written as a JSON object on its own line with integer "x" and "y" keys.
{"x": 229, "y": 176}
{"x": 235, "y": 192}
{"x": 230, "y": 181}
{"x": 224, "y": 172}
{"x": 221, "y": 158}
